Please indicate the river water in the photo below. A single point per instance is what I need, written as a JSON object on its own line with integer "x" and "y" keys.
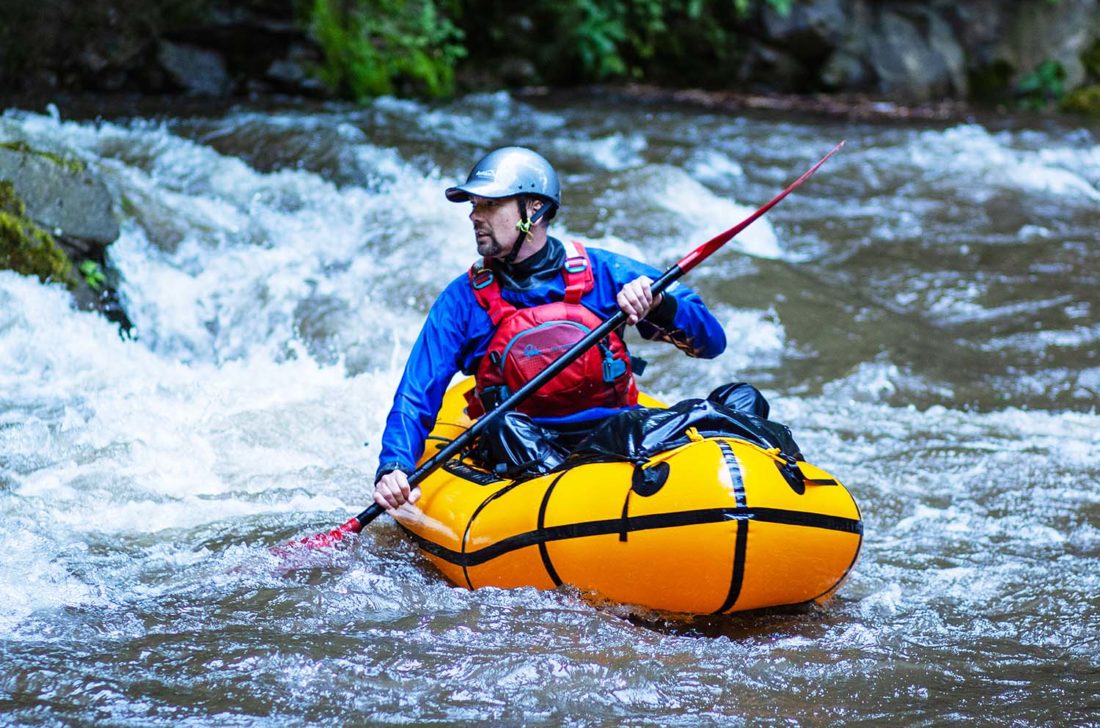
{"x": 923, "y": 313}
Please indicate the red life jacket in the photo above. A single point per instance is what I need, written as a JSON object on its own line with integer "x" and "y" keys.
{"x": 527, "y": 340}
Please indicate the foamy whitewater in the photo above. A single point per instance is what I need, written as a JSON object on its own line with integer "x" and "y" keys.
{"x": 923, "y": 314}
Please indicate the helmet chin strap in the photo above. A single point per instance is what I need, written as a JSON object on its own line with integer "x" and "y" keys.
{"x": 524, "y": 226}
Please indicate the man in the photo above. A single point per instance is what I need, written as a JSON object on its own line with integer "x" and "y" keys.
{"x": 499, "y": 321}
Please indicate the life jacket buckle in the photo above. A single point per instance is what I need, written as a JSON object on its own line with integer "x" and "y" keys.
{"x": 613, "y": 369}
{"x": 576, "y": 265}
{"x": 493, "y": 397}
{"x": 481, "y": 278}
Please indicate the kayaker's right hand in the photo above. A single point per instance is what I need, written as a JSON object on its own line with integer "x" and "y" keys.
{"x": 392, "y": 490}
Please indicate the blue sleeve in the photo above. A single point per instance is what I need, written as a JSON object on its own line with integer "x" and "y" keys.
{"x": 693, "y": 330}
{"x": 445, "y": 346}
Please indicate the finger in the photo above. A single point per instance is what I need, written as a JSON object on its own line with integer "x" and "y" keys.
{"x": 414, "y": 496}
{"x": 381, "y": 499}
{"x": 645, "y": 294}
{"x": 391, "y": 491}
{"x": 627, "y": 307}
{"x": 632, "y": 298}
{"x": 634, "y": 308}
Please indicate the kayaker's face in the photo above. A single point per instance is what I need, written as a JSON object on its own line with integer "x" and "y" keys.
{"x": 494, "y": 225}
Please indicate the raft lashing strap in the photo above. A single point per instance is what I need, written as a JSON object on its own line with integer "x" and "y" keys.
{"x": 544, "y": 553}
{"x": 466, "y": 532}
{"x": 741, "y": 540}
{"x": 734, "y": 469}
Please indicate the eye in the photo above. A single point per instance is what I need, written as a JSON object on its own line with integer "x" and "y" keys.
{"x": 484, "y": 204}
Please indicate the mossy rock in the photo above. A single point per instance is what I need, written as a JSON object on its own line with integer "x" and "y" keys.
{"x": 60, "y": 194}
{"x": 1083, "y": 100}
{"x": 72, "y": 165}
{"x": 26, "y": 248}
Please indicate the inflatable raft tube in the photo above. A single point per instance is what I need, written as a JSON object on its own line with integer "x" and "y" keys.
{"x": 711, "y": 527}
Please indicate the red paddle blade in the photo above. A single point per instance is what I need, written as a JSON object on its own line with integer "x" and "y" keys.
{"x": 701, "y": 253}
{"x": 319, "y": 540}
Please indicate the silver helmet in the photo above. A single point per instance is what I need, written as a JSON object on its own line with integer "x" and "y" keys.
{"x": 508, "y": 172}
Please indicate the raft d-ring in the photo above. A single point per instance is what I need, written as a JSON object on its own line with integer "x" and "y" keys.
{"x": 647, "y": 479}
{"x": 693, "y": 435}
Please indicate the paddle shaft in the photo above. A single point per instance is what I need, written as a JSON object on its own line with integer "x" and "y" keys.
{"x": 597, "y": 334}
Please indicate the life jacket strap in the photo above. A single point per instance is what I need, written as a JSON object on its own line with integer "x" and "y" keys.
{"x": 576, "y": 271}
{"x": 487, "y": 292}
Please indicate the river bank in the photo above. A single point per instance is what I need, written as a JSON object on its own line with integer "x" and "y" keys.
{"x": 1033, "y": 54}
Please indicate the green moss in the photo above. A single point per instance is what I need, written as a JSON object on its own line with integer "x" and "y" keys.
{"x": 1083, "y": 100}
{"x": 73, "y": 165}
{"x": 26, "y": 248}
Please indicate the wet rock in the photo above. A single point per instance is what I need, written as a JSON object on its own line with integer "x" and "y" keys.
{"x": 923, "y": 51}
{"x": 768, "y": 67}
{"x": 915, "y": 55}
{"x": 810, "y": 31}
{"x": 198, "y": 71}
{"x": 61, "y": 195}
{"x": 1036, "y": 32}
{"x": 293, "y": 71}
{"x": 56, "y": 222}
{"x": 25, "y": 247}
{"x": 519, "y": 72}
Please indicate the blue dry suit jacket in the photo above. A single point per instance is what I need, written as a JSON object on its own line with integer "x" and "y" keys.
{"x": 457, "y": 332}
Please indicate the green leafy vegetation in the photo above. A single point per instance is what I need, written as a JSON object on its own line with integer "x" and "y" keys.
{"x": 376, "y": 47}
{"x": 1042, "y": 87}
{"x": 93, "y": 275}
{"x": 27, "y": 248}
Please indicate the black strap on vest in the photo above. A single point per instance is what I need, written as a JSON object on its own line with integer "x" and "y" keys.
{"x": 524, "y": 225}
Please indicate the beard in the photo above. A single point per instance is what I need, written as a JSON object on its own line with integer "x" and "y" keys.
{"x": 489, "y": 246}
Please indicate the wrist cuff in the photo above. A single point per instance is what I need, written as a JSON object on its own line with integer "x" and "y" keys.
{"x": 388, "y": 468}
{"x": 665, "y": 313}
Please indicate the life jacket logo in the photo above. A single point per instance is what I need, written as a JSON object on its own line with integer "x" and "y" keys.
{"x": 531, "y": 350}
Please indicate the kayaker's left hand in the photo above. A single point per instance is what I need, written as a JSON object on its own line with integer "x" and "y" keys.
{"x": 392, "y": 491}
{"x": 636, "y": 299}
